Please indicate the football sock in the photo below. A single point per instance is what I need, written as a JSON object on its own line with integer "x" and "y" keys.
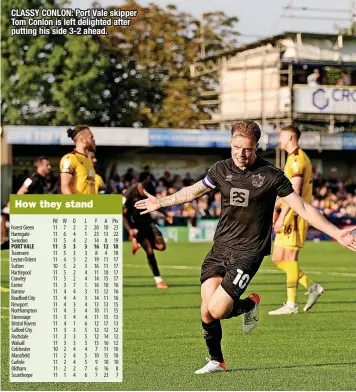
{"x": 281, "y": 265}
{"x": 153, "y": 264}
{"x": 135, "y": 242}
{"x": 213, "y": 336}
{"x": 291, "y": 269}
{"x": 158, "y": 279}
{"x": 304, "y": 280}
{"x": 241, "y": 306}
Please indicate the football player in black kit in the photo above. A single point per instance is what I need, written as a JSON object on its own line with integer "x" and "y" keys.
{"x": 37, "y": 183}
{"x": 249, "y": 186}
{"x": 143, "y": 227}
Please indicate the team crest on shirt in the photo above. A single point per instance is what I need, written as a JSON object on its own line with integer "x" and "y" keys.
{"x": 257, "y": 180}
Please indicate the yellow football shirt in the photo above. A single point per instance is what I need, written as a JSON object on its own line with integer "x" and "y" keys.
{"x": 296, "y": 228}
{"x": 298, "y": 165}
{"x": 99, "y": 183}
{"x": 81, "y": 167}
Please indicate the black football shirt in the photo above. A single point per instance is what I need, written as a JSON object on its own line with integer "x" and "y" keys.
{"x": 248, "y": 199}
{"x": 133, "y": 214}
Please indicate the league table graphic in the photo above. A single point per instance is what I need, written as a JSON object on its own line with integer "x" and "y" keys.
{"x": 66, "y": 288}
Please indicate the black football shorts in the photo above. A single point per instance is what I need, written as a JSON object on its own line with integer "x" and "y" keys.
{"x": 151, "y": 233}
{"x": 237, "y": 268}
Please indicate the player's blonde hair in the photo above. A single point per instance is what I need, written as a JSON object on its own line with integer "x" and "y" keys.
{"x": 293, "y": 129}
{"x": 246, "y": 128}
{"x": 72, "y": 133}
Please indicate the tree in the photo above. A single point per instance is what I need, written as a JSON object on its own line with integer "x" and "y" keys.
{"x": 23, "y": 62}
{"x": 349, "y": 31}
{"x": 78, "y": 68}
{"x": 134, "y": 76}
{"x": 51, "y": 79}
{"x": 162, "y": 43}
{"x": 217, "y": 33}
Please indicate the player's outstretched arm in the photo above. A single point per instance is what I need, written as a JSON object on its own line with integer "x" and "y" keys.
{"x": 185, "y": 195}
{"x": 314, "y": 218}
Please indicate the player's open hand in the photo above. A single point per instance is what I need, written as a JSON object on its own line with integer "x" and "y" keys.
{"x": 278, "y": 225}
{"x": 346, "y": 238}
{"x": 148, "y": 205}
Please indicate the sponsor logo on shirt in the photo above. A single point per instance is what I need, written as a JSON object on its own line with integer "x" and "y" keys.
{"x": 66, "y": 164}
{"x": 239, "y": 197}
{"x": 295, "y": 167}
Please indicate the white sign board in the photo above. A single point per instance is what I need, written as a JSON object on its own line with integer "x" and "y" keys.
{"x": 325, "y": 99}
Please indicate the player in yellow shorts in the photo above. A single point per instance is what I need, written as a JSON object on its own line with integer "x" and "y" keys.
{"x": 291, "y": 230}
{"x": 77, "y": 170}
{"x": 99, "y": 182}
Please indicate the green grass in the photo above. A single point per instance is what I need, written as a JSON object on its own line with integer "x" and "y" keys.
{"x": 163, "y": 342}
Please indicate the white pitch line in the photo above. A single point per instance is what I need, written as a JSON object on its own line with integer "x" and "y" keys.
{"x": 340, "y": 274}
{"x": 334, "y": 268}
{"x": 262, "y": 271}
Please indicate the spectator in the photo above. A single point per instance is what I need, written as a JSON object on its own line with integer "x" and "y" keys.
{"x": 345, "y": 80}
{"x": 115, "y": 185}
{"x": 190, "y": 209}
{"x": 187, "y": 180}
{"x": 166, "y": 179}
{"x": 160, "y": 186}
{"x": 203, "y": 207}
{"x": 332, "y": 181}
{"x": 215, "y": 207}
{"x": 146, "y": 174}
{"x": 190, "y": 212}
{"x": 313, "y": 78}
{"x": 129, "y": 175}
{"x": 341, "y": 193}
{"x": 350, "y": 187}
{"x": 177, "y": 182}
